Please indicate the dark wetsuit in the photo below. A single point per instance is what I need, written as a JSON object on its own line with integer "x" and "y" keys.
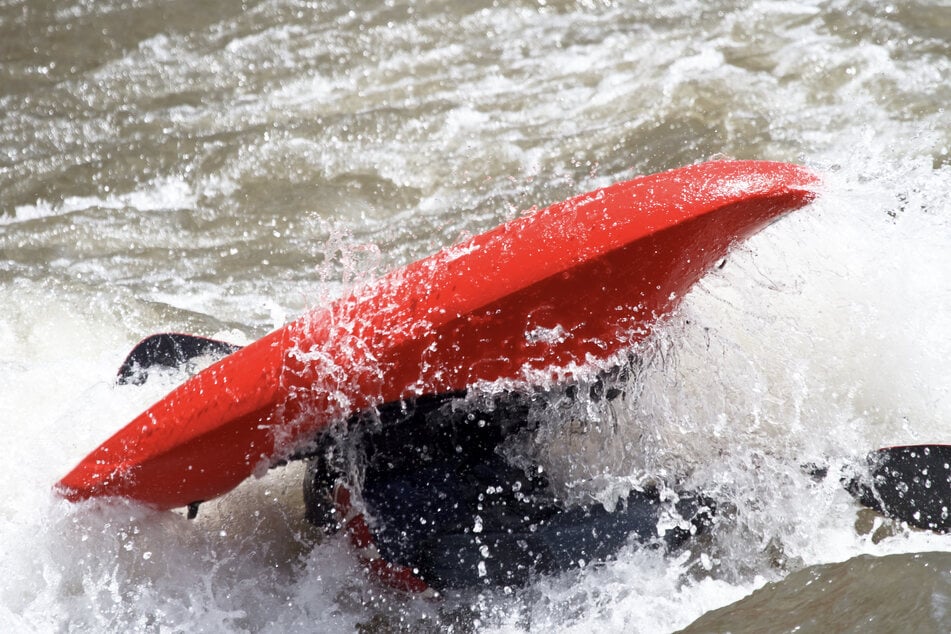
{"x": 442, "y": 498}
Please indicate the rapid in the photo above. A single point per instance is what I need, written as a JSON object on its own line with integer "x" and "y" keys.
{"x": 218, "y": 167}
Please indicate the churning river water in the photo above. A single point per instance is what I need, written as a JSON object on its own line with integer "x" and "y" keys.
{"x": 217, "y": 167}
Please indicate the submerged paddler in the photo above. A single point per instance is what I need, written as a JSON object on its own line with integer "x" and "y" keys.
{"x": 439, "y": 492}
{"x": 434, "y": 495}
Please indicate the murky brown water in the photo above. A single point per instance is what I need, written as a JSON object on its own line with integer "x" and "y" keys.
{"x": 216, "y": 167}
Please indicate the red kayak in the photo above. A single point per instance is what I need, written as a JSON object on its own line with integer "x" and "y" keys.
{"x": 577, "y": 281}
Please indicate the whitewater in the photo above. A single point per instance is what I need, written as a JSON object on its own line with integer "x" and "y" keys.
{"x": 218, "y": 168}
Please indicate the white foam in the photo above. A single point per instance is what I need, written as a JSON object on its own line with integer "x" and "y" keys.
{"x": 162, "y": 195}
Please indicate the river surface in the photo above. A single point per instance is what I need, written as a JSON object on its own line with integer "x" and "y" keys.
{"x": 217, "y": 167}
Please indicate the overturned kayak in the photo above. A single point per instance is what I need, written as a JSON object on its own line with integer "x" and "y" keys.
{"x": 577, "y": 281}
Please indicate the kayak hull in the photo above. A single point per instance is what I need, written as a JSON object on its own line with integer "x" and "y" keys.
{"x": 577, "y": 281}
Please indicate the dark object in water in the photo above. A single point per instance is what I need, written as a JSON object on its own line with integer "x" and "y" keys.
{"x": 441, "y": 498}
{"x": 169, "y": 350}
{"x": 911, "y": 483}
